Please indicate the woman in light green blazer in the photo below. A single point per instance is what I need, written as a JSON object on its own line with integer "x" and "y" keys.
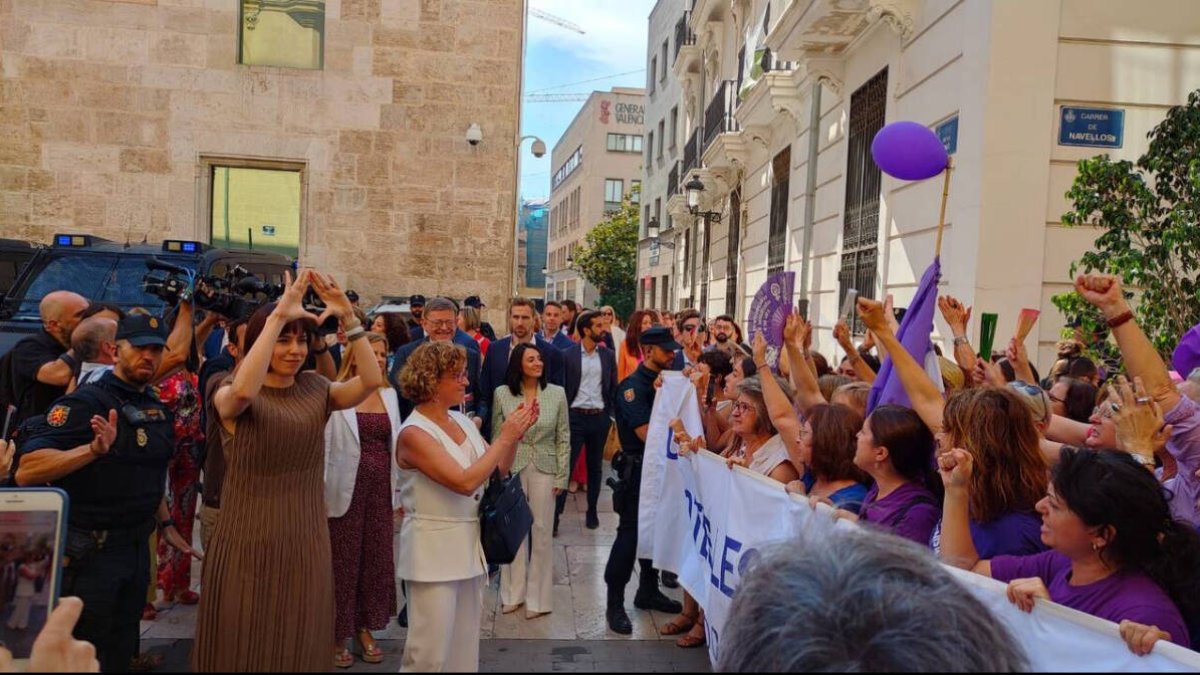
{"x": 542, "y": 459}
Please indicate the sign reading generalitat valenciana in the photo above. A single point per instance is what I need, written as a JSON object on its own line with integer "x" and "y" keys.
{"x": 626, "y": 113}
{"x": 1092, "y": 127}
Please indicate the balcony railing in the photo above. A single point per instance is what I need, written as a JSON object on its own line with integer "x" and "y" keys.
{"x": 683, "y": 32}
{"x": 673, "y": 180}
{"x": 718, "y": 118}
{"x": 771, "y": 61}
{"x": 691, "y": 152}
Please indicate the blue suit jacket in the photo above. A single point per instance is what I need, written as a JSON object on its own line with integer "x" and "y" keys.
{"x": 495, "y": 367}
{"x": 573, "y": 372}
{"x": 473, "y": 370}
{"x": 561, "y": 341}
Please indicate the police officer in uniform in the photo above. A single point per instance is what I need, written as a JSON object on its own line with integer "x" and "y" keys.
{"x": 107, "y": 445}
{"x": 635, "y": 400}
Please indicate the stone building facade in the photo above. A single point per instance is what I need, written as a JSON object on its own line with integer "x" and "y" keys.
{"x": 116, "y": 118}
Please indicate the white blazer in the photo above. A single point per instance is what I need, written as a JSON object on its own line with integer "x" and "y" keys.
{"x": 343, "y": 449}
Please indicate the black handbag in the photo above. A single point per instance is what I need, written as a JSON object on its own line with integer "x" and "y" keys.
{"x": 504, "y": 519}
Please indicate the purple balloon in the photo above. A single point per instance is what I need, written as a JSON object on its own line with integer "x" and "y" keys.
{"x": 909, "y": 151}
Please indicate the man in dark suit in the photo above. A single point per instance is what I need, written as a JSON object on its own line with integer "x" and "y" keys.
{"x": 591, "y": 383}
{"x": 552, "y": 321}
{"x": 520, "y": 318}
{"x": 440, "y": 325}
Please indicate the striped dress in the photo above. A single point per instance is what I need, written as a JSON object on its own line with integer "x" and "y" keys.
{"x": 267, "y": 594}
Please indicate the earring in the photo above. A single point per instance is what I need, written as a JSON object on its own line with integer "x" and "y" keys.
{"x": 1095, "y": 547}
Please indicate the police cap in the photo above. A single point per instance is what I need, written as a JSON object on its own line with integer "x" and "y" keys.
{"x": 660, "y": 336}
{"x": 416, "y": 301}
{"x": 142, "y": 331}
{"x": 473, "y": 301}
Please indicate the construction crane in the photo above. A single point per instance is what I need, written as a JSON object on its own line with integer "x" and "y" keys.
{"x": 555, "y": 98}
{"x": 557, "y": 21}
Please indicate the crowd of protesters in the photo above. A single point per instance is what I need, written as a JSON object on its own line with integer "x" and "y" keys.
{"x": 335, "y": 465}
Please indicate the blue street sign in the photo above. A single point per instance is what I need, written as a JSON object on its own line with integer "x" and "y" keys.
{"x": 947, "y": 132}
{"x": 1092, "y": 127}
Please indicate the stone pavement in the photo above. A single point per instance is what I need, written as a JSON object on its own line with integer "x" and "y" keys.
{"x": 574, "y": 637}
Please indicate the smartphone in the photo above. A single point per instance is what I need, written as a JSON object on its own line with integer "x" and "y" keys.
{"x": 33, "y": 525}
{"x": 849, "y": 306}
{"x": 8, "y": 417}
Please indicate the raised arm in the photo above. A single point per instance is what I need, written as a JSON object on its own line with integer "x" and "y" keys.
{"x": 1019, "y": 358}
{"x": 48, "y": 465}
{"x": 957, "y": 316}
{"x": 926, "y": 398}
{"x": 415, "y": 448}
{"x": 841, "y": 333}
{"x": 779, "y": 408}
{"x": 1141, "y": 359}
{"x": 345, "y": 395}
{"x": 232, "y": 399}
{"x": 958, "y": 549}
{"x": 179, "y": 343}
{"x": 796, "y": 333}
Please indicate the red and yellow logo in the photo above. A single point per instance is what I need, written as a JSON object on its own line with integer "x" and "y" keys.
{"x": 58, "y": 415}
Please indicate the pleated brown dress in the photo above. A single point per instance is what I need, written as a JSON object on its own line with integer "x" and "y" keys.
{"x": 266, "y": 603}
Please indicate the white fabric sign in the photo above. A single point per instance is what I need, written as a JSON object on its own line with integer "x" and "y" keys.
{"x": 705, "y": 522}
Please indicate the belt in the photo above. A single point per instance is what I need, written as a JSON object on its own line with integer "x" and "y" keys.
{"x": 114, "y": 537}
{"x": 588, "y": 411}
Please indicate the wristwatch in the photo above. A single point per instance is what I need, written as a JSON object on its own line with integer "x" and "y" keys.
{"x": 961, "y": 341}
{"x": 169, "y": 522}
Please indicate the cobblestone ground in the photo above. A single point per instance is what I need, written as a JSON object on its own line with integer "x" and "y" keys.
{"x": 574, "y": 637}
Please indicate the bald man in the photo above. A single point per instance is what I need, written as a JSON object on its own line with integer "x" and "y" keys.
{"x": 95, "y": 345}
{"x": 42, "y": 364}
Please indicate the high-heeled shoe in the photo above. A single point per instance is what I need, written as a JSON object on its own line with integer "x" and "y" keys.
{"x": 371, "y": 653}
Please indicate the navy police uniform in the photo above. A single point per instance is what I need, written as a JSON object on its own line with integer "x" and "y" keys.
{"x": 634, "y": 403}
{"x": 113, "y": 500}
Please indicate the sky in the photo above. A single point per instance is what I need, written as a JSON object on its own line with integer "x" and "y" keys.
{"x": 614, "y": 42}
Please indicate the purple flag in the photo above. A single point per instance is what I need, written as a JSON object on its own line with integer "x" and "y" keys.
{"x": 914, "y": 335}
{"x": 769, "y": 312}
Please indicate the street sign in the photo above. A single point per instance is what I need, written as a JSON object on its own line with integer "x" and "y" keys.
{"x": 947, "y": 132}
{"x": 1092, "y": 127}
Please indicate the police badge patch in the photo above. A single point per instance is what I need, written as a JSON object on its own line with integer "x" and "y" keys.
{"x": 142, "y": 439}
{"x": 629, "y": 394}
{"x": 58, "y": 415}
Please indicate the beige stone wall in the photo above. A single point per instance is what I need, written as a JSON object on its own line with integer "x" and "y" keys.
{"x": 107, "y": 110}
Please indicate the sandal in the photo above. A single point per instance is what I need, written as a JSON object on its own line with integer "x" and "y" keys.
{"x": 371, "y": 654}
{"x": 690, "y": 641}
{"x": 342, "y": 658}
{"x": 679, "y": 625}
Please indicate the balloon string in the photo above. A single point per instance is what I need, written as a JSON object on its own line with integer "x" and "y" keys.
{"x": 942, "y": 216}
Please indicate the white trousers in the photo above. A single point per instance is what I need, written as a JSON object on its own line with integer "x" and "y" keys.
{"x": 530, "y": 577}
{"x": 20, "y": 614}
{"x": 443, "y": 626}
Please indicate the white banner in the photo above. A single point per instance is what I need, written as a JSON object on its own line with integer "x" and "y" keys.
{"x": 705, "y": 522}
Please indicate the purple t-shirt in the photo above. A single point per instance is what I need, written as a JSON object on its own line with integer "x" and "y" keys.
{"x": 1014, "y": 533}
{"x": 910, "y": 511}
{"x": 1119, "y": 596}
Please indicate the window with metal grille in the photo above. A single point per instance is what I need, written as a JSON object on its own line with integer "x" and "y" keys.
{"x": 704, "y": 266}
{"x": 781, "y": 168}
{"x": 687, "y": 256}
{"x": 860, "y": 233}
{"x": 731, "y": 261}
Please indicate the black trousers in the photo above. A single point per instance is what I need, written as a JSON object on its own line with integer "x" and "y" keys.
{"x": 590, "y": 432}
{"x": 112, "y": 580}
{"x": 619, "y": 569}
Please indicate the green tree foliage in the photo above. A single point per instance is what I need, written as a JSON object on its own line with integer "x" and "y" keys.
{"x": 1147, "y": 214}
{"x": 608, "y": 259}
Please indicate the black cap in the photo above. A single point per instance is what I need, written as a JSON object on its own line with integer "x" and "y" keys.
{"x": 352, "y": 295}
{"x": 474, "y": 301}
{"x": 416, "y": 300}
{"x": 142, "y": 331}
{"x": 660, "y": 336}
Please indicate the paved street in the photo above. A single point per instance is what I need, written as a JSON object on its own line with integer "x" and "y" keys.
{"x": 572, "y": 638}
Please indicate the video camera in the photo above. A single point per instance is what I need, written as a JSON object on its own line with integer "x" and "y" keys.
{"x": 235, "y": 295}
{"x": 313, "y": 303}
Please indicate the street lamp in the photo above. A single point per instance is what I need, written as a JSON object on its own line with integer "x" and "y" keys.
{"x": 694, "y": 187}
{"x": 652, "y": 233}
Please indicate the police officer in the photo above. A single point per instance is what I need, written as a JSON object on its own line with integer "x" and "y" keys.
{"x": 635, "y": 400}
{"x": 107, "y": 445}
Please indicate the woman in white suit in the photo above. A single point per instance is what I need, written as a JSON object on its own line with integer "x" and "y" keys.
{"x": 444, "y": 463}
{"x": 360, "y": 488}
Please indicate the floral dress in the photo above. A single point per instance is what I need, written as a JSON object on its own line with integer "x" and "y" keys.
{"x": 180, "y": 393}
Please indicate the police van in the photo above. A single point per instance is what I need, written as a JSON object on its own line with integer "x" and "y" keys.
{"x": 105, "y": 271}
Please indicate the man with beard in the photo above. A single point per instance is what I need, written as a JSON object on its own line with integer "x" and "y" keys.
{"x": 416, "y": 325}
{"x": 725, "y": 332}
{"x": 43, "y": 365}
{"x": 107, "y": 446}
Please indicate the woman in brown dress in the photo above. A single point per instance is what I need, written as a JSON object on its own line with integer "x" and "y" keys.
{"x": 268, "y": 582}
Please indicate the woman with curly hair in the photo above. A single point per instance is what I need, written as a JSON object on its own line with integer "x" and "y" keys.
{"x": 444, "y": 463}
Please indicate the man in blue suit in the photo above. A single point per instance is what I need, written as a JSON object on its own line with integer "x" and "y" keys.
{"x": 440, "y": 325}
{"x": 520, "y": 318}
{"x": 552, "y": 321}
{"x": 590, "y": 371}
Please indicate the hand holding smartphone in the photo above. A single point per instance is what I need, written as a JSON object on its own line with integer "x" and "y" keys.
{"x": 33, "y": 523}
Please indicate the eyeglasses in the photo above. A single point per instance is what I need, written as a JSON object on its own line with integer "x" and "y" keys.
{"x": 607, "y": 313}
{"x": 741, "y": 407}
{"x": 445, "y": 323}
{"x": 460, "y": 377}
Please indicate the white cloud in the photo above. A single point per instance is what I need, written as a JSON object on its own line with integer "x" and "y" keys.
{"x": 615, "y": 30}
